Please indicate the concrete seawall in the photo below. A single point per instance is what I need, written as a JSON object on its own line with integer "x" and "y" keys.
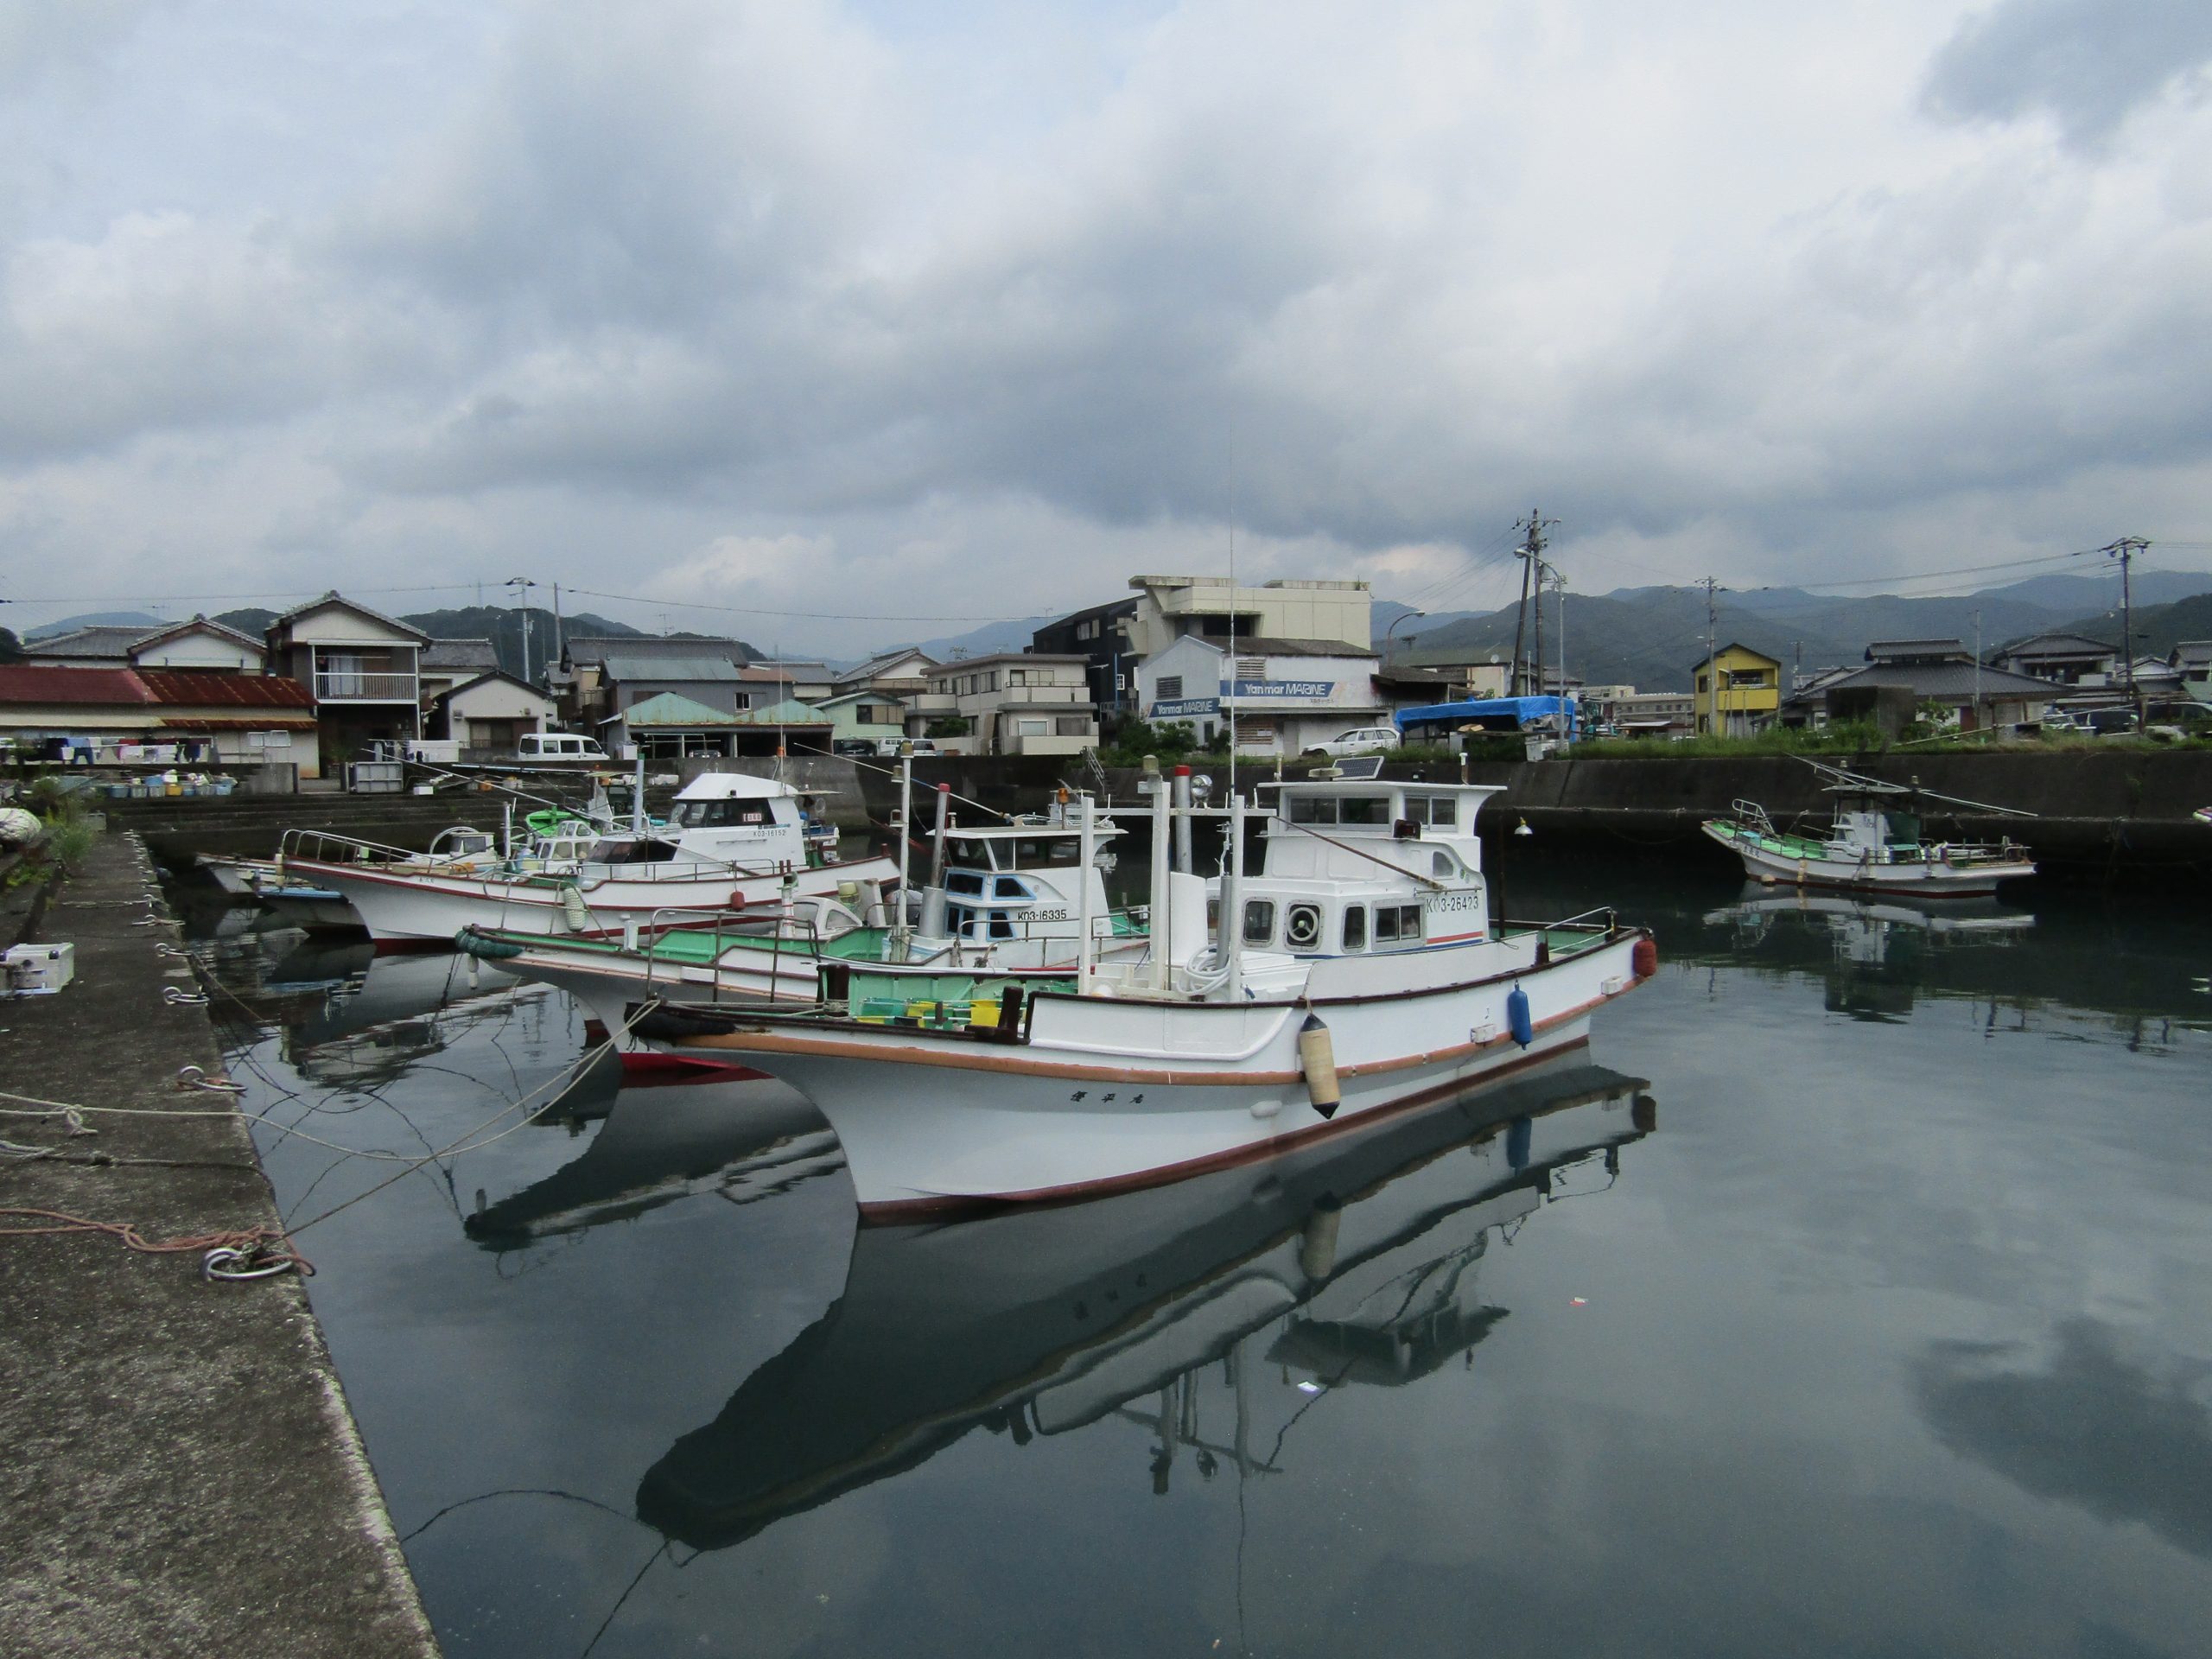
{"x": 182, "y": 1474}
{"x": 2121, "y": 809}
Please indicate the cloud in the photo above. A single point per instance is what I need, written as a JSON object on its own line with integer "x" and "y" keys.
{"x": 37, "y": 36}
{"x": 2087, "y": 64}
{"x": 1028, "y": 302}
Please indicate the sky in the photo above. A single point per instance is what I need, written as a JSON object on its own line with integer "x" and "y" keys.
{"x": 836, "y": 325}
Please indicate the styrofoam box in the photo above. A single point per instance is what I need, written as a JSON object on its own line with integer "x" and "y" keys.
{"x": 40, "y": 967}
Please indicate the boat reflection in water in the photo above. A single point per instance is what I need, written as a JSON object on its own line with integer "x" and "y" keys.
{"x": 1876, "y": 954}
{"x": 740, "y": 1135}
{"x": 397, "y": 1010}
{"x": 1204, "y": 1313}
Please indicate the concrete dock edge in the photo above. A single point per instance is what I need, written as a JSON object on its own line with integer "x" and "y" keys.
{"x": 179, "y": 1471}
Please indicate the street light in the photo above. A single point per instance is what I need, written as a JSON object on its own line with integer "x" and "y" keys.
{"x": 1392, "y": 629}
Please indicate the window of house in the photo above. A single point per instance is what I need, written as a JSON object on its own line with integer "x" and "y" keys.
{"x": 1072, "y": 725}
{"x": 1170, "y": 687}
{"x": 1700, "y": 683}
{"x": 1354, "y": 927}
{"x": 1259, "y": 921}
{"x": 1028, "y": 727}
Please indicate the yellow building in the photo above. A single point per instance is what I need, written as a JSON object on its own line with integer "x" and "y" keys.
{"x": 1749, "y": 688}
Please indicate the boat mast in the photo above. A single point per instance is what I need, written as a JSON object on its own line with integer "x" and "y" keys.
{"x": 1158, "y": 921}
{"x": 900, "y": 933}
{"x": 1229, "y": 943}
{"x": 1089, "y": 844}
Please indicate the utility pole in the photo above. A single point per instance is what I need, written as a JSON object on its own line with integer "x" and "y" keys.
{"x": 1712, "y": 668}
{"x": 524, "y": 584}
{"x": 2124, "y": 550}
{"x": 1977, "y": 671}
{"x": 1532, "y": 573}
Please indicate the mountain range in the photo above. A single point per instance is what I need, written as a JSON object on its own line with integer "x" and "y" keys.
{"x": 1653, "y": 638}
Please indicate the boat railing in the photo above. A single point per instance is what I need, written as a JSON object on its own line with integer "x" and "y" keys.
{"x": 329, "y": 847}
{"x": 800, "y": 936}
{"x": 1752, "y": 816}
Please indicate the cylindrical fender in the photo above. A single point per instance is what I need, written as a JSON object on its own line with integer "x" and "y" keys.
{"x": 1517, "y": 1017}
{"x": 1317, "y": 1059}
{"x": 575, "y": 912}
{"x": 1644, "y": 959}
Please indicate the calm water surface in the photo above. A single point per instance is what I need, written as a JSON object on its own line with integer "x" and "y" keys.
{"x": 1853, "y": 1295}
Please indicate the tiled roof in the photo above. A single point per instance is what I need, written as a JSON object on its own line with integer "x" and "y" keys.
{"x": 106, "y": 640}
{"x": 334, "y": 597}
{"x": 597, "y": 647}
{"x": 460, "y": 653}
{"x": 629, "y": 669}
{"x": 197, "y": 624}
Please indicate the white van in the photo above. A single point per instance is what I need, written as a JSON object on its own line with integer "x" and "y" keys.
{"x": 558, "y": 746}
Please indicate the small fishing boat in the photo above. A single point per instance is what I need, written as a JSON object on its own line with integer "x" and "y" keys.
{"x": 1002, "y": 898}
{"x": 1873, "y": 843}
{"x": 2202, "y": 815}
{"x": 734, "y": 841}
{"x": 1356, "y": 974}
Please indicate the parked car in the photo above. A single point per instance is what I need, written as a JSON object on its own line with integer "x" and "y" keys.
{"x": 1361, "y": 739}
{"x": 894, "y": 746}
{"x": 558, "y": 746}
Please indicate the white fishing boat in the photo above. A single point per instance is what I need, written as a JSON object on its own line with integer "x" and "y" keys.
{"x": 1872, "y": 843}
{"x": 1356, "y": 974}
{"x": 734, "y": 842}
{"x": 1000, "y": 898}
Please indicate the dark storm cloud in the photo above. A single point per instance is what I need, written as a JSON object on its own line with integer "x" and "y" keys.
{"x": 2095, "y": 1428}
{"x": 2086, "y": 64}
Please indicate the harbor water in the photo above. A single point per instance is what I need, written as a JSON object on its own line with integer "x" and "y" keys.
{"x": 1850, "y": 1295}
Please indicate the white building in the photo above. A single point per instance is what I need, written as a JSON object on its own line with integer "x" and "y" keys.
{"x": 1169, "y": 609}
{"x": 1014, "y": 702}
{"x": 1289, "y": 694}
{"x": 362, "y": 667}
{"x": 490, "y": 712}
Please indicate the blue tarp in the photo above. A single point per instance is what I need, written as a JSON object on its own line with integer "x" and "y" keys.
{"x": 1499, "y": 714}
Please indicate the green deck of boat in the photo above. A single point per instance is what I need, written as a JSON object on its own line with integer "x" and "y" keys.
{"x": 702, "y": 947}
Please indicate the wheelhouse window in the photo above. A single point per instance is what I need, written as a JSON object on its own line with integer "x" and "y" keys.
{"x": 720, "y": 815}
{"x": 1386, "y": 923}
{"x": 1363, "y": 808}
{"x": 1408, "y": 922}
{"x": 1010, "y": 886}
{"x": 1442, "y": 810}
{"x": 1313, "y": 809}
{"x": 964, "y": 881}
{"x": 1259, "y": 921}
{"x": 1354, "y": 927}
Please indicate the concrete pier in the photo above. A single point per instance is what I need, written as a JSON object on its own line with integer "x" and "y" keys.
{"x": 179, "y": 1473}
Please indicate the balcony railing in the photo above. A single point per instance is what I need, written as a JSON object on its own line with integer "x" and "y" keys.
{"x": 346, "y": 685}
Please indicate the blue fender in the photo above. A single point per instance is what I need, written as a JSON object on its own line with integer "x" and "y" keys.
{"x": 1517, "y": 1017}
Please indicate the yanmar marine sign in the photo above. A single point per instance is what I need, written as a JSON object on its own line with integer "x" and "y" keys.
{"x": 1306, "y": 690}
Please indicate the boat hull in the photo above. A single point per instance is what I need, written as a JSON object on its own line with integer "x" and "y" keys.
{"x": 1105, "y": 1095}
{"x": 424, "y": 908}
{"x": 1927, "y": 879}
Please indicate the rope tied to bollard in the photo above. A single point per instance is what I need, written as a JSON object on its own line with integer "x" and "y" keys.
{"x": 241, "y": 1252}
